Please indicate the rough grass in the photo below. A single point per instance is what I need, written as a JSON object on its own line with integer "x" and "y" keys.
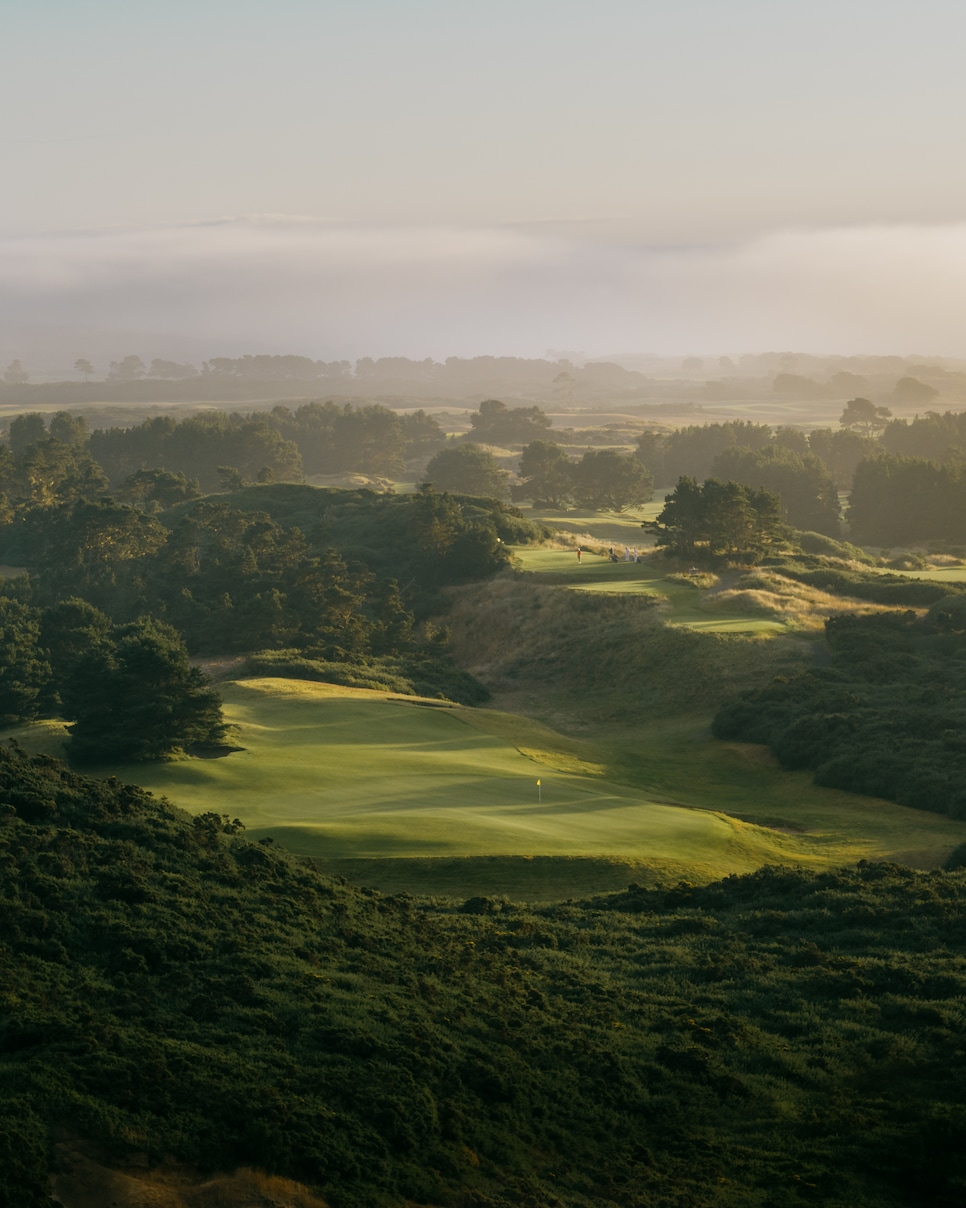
{"x": 598, "y": 528}
{"x": 590, "y": 658}
{"x": 758, "y": 600}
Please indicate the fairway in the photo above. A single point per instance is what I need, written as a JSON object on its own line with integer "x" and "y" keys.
{"x": 341, "y": 773}
{"x": 598, "y": 574}
{"x": 407, "y": 795}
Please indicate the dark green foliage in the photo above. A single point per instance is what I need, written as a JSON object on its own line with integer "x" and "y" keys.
{"x": 690, "y": 452}
{"x": 782, "y": 1038}
{"x": 158, "y": 488}
{"x": 548, "y": 474}
{"x": 319, "y": 438}
{"x": 94, "y": 548}
{"x": 936, "y": 437}
{"x": 136, "y": 697}
{"x": 713, "y": 520}
{"x": 497, "y": 424}
{"x": 840, "y": 451}
{"x": 69, "y": 633}
{"x": 885, "y": 717}
{"x": 368, "y": 440}
{"x": 605, "y": 479}
{"x": 899, "y": 500}
{"x": 24, "y": 670}
{"x": 51, "y": 472}
{"x": 232, "y": 580}
{"x": 469, "y": 470}
{"x": 68, "y": 429}
{"x": 808, "y": 496}
{"x": 197, "y": 447}
{"x": 26, "y": 430}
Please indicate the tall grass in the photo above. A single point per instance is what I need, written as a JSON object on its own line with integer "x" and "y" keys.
{"x": 602, "y": 657}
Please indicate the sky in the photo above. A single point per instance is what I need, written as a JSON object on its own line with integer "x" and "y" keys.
{"x": 434, "y": 179}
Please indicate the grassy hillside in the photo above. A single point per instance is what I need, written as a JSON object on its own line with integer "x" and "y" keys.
{"x": 172, "y": 991}
{"x": 450, "y": 797}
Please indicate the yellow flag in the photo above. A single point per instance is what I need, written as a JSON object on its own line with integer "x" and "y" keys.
{"x": 538, "y": 784}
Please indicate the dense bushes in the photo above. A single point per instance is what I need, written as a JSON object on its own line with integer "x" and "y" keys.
{"x": 168, "y": 987}
{"x": 229, "y": 579}
{"x": 899, "y": 500}
{"x": 886, "y": 716}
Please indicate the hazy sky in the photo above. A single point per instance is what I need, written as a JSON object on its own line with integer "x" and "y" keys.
{"x": 429, "y": 178}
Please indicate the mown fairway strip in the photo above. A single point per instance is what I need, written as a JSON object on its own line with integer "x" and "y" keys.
{"x": 596, "y": 573}
{"x": 342, "y": 773}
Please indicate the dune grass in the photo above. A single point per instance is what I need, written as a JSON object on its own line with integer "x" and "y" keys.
{"x": 931, "y": 574}
{"x": 683, "y": 604}
{"x": 350, "y": 777}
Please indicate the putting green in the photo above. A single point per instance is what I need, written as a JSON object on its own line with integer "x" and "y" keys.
{"x": 339, "y": 773}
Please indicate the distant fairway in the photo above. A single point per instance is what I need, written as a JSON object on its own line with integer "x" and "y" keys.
{"x": 931, "y": 574}
{"x": 594, "y": 573}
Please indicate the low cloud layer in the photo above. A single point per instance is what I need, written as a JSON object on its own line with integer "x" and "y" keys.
{"x": 334, "y": 290}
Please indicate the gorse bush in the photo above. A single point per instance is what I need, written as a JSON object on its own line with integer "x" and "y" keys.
{"x": 885, "y": 717}
{"x": 170, "y": 987}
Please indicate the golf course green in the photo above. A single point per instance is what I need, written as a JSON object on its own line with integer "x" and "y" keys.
{"x": 403, "y": 793}
{"x": 339, "y": 773}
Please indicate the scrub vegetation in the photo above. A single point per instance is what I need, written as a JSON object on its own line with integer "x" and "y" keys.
{"x": 204, "y": 988}
{"x": 784, "y": 1037}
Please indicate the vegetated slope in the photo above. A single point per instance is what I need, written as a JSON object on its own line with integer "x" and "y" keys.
{"x": 597, "y": 658}
{"x": 167, "y": 987}
{"x": 885, "y": 715}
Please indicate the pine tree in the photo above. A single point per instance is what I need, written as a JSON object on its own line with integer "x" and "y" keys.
{"x": 138, "y": 698}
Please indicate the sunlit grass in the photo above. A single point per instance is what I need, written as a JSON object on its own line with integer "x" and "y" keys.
{"x": 683, "y": 604}
{"x": 352, "y": 777}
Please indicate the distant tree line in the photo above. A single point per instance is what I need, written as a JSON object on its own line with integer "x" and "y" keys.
{"x": 905, "y": 475}
{"x": 222, "y": 449}
{"x": 897, "y": 496}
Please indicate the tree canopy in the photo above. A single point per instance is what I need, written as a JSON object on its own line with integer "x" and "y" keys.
{"x": 497, "y": 424}
{"x": 864, "y": 416}
{"x": 136, "y": 697}
{"x": 469, "y": 470}
{"x": 717, "y": 520}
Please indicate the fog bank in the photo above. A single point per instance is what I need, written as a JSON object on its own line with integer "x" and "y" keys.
{"x": 333, "y": 290}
